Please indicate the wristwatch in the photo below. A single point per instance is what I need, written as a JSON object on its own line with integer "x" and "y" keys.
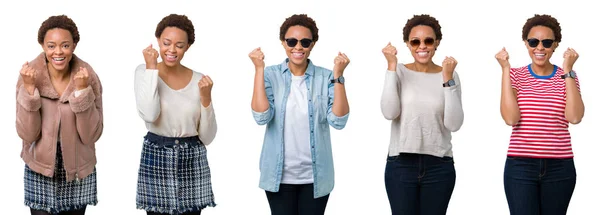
{"x": 338, "y": 80}
{"x": 570, "y": 74}
{"x": 449, "y": 83}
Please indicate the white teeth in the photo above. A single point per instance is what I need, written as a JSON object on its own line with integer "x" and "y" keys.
{"x": 59, "y": 58}
{"x": 540, "y": 54}
{"x": 422, "y": 54}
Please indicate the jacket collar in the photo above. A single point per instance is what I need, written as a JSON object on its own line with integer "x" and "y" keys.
{"x": 310, "y": 69}
{"x": 43, "y": 83}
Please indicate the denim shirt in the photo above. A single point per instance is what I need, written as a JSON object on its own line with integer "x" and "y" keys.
{"x": 320, "y": 103}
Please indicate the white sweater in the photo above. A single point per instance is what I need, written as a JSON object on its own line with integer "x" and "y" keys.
{"x": 173, "y": 113}
{"x": 423, "y": 113}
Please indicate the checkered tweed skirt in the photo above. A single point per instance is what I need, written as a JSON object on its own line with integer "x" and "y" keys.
{"x": 55, "y": 194}
{"x": 174, "y": 176}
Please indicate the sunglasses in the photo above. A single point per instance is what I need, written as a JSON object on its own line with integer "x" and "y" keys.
{"x": 292, "y": 42}
{"x": 533, "y": 42}
{"x": 427, "y": 41}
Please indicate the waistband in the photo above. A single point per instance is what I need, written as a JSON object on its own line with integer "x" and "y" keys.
{"x": 169, "y": 141}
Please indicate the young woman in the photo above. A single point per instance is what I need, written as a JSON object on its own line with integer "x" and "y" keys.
{"x": 423, "y": 100}
{"x": 539, "y": 101}
{"x": 298, "y": 101}
{"x": 176, "y": 104}
{"x": 59, "y": 118}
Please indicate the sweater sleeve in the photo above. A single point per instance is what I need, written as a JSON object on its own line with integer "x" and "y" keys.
{"x": 147, "y": 99}
{"x": 453, "y": 111}
{"x": 207, "y": 129}
{"x": 390, "y": 98}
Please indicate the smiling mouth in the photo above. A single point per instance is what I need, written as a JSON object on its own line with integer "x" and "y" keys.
{"x": 422, "y": 53}
{"x": 171, "y": 57}
{"x": 58, "y": 59}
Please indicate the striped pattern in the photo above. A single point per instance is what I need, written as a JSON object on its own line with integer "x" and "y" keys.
{"x": 55, "y": 194}
{"x": 542, "y": 131}
{"x": 174, "y": 178}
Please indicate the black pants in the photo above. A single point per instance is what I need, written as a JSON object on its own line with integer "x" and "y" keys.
{"x": 296, "y": 199}
{"x": 73, "y": 212}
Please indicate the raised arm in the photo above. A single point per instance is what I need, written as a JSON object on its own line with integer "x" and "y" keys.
{"x": 147, "y": 99}
{"x": 390, "y": 98}
{"x": 509, "y": 108}
{"x": 262, "y": 97}
{"x": 574, "y": 109}
{"x": 207, "y": 129}
{"x": 87, "y": 106}
{"x": 453, "y": 111}
{"x": 29, "y": 118}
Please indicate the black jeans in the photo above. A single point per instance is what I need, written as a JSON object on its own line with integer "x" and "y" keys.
{"x": 296, "y": 199}
{"x": 419, "y": 184}
{"x": 536, "y": 186}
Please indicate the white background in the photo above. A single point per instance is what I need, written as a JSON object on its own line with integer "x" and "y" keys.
{"x": 113, "y": 35}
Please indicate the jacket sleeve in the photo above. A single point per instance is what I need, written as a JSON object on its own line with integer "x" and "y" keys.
{"x": 29, "y": 118}
{"x": 88, "y": 110}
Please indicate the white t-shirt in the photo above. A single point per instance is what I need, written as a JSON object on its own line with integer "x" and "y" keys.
{"x": 297, "y": 163}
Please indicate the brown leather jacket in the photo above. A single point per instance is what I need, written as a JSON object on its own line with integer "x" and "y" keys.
{"x": 41, "y": 116}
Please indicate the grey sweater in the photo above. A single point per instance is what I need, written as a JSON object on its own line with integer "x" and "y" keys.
{"x": 423, "y": 113}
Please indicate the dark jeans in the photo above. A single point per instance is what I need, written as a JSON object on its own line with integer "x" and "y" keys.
{"x": 536, "y": 186}
{"x": 296, "y": 199}
{"x": 419, "y": 184}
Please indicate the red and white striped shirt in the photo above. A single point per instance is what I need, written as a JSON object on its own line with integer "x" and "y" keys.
{"x": 542, "y": 131}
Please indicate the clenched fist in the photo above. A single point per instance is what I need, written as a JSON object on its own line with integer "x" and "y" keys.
{"x": 340, "y": 62}
{"x": 448, "y": 66}
{"x": 390, "y": 53}
{"x": 502, "y": 58}
{"x": 81, "y": 78}
{"x": 570, "y": 58}
{"x": 205, "y": 85}
{"x": 257, "y": 58}
{"x": 151, "y": 57}
{"x": 28, "y": 75}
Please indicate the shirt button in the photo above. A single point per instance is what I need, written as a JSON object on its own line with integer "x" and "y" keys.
{"x": 176, "y": 141}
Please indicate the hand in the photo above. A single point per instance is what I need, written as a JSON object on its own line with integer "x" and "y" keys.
{"x": 205, "y": 85}
{"x": 81, "y": 78}
{"x": 570, "y": 58}
{"x": 340, "y": 62}
{"x": 448, "y": 66}
{"x": 502, "y": 58}
{"x": 28, "y": 74}
{"x": 257, "y": 58}
{"x": 390, "y": 53}
{"x": 151, "y": 57}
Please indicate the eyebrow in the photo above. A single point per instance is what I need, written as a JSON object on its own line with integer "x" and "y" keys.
{"x": 172, "y": 41}
{"x": 63, "y": 42}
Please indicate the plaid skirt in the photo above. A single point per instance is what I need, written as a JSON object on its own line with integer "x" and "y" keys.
{"x": 55, "y": 194}
{"x": 174, "y": 176}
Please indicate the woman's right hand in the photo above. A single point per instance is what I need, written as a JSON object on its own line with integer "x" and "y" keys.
{"x": 151, "y": 57}
{"x": 257, "y": 58}
{"x": 390, "y": 55}
{"x": 28, "y": 75}
{"x": 502, "y": 58}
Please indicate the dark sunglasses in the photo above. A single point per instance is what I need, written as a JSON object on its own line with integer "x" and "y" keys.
{"x": 427, "y": 41}
{"x": 533, "y": 42}
{"x": 292, "y": 42}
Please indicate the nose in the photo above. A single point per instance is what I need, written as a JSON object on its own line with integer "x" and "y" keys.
{"x": 171, "y": 48}
{"x": 59, "y": 50}
{"x": 298, "y": 46}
